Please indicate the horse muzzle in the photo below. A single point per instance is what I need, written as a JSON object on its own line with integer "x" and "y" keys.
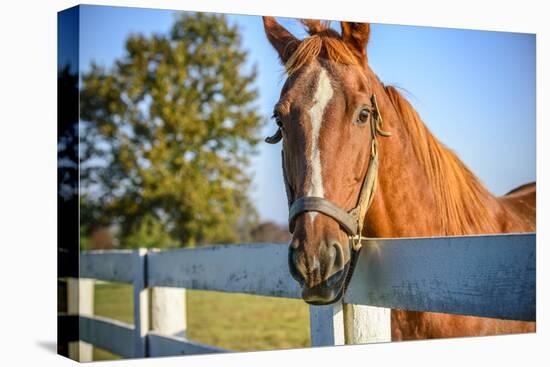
{"x": 325, "y": 292}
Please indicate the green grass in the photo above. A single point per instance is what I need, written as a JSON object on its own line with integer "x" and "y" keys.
{"x": 246, "y": 323}
{"x": 114, "y": 301}
{"x": 233, "y": 321}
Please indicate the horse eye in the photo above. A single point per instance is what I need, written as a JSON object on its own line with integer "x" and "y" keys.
{"x": 363, "y": 116}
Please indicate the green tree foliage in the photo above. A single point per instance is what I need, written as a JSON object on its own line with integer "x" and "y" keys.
{"x": 168, "y": 134}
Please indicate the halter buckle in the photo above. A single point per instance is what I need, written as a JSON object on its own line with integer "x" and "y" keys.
{"x": 356, "y": 242}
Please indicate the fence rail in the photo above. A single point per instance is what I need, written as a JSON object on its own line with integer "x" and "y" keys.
{"x": 260, "y": 269}
{"x": 489, "y": 276}
{"x": 112, "y": 335}
{"x": 111, "y": 265}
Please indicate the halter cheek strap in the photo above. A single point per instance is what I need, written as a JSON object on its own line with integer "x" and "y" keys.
{"x": 288, "y": 189}
{"x": 352, "y": 221}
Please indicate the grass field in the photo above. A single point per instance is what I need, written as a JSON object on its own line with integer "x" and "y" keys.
{"x": 234, "y": 321}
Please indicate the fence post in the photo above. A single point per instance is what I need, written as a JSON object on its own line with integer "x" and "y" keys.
{"x": 141, "y": 304}
{"x": 326, "y": 325}
{"x": 366, "y": 324}
{"x": 80, "y": 301}
{"x": 168, "y": 311}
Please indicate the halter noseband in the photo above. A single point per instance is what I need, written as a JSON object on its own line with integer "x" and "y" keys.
{"x": 352, "y": 221}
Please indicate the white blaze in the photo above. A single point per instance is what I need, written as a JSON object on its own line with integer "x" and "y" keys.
{"x": 320, "y": 100}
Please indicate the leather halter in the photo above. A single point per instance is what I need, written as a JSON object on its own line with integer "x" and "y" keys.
{"x": 352, "y": 221}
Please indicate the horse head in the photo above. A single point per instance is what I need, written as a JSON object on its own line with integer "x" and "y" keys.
{"x": 328, "y": 119}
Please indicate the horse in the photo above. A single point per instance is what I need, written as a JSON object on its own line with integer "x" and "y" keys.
{"x": 359, "y": 161}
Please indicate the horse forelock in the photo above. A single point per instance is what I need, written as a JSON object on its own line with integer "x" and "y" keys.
{"x": 327, "y": 45}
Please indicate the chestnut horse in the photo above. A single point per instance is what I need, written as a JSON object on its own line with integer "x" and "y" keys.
{"x": 421, "y": 187}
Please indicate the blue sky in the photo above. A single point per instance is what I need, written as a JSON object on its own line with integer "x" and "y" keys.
{"x": 474, "y": 89}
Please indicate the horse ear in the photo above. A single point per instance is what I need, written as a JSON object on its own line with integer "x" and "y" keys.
{"x": 282, "y": 40}
{"x": 356, "y": 36}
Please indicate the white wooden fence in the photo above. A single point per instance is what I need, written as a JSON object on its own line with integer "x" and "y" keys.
{"x": 489, "y": 276}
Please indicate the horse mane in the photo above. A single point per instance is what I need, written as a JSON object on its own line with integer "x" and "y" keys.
{"x": 323, "y": 42}
{"x": 461, "y": 197}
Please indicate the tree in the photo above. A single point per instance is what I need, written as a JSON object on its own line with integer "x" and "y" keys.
{"x": 168, "y": 134}
{"x": 270, "y": 232}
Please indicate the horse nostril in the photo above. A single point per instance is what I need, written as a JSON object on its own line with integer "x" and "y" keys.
{"x": 338, "y": 262}
{"x": 293, "y": 265}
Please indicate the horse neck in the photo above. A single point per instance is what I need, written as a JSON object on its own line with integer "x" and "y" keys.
{"x": 410, "y": 199}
